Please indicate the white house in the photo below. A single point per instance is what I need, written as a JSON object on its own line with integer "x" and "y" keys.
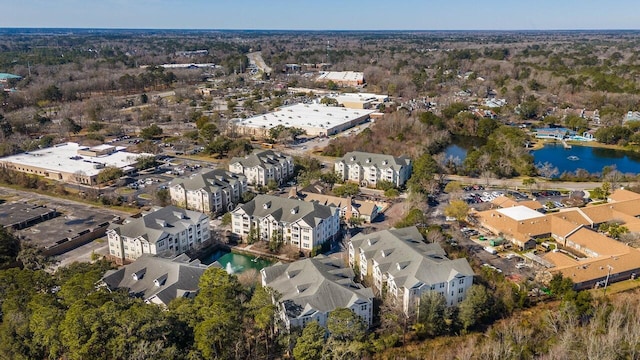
{"x": 400, "y": 260}
{"x": 167, "y": 231}
{"x": 305, "y": 225}
{"x": 262, "y": 166}
{"x": 368, "y": 169}
{"x": 209, "y": 191}
{"x": 311, "y": 289}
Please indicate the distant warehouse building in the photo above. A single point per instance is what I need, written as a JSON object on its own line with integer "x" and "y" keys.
{"x": 71, "y": 162}
{"x": 315, "y": 119}
{"x": 342, "y": 78}
{"x": 360, "y": 100}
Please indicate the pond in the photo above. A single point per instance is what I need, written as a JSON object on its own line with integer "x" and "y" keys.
{"x": 591, "y": 159}
{"x": 235, "y": 263}
{"x": 460, "y": 145}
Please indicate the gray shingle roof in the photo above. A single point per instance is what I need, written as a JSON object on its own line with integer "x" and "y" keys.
{"x": 288, "y": 210}
{"x": 154, "y": 225}
{"x": 210, "y": 180}
{"x": 379, "y": 160}
{"x": 317, "y": 284}
{"x": 176, "y": 277}
{"x": 263, "y": 158}
{"x": 403, "y": 254}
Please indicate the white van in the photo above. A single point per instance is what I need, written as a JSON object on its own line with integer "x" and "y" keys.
{"x": 491, "y": 250}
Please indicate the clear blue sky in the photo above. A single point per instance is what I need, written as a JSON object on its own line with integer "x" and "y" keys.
{"x": 324, "y": 14}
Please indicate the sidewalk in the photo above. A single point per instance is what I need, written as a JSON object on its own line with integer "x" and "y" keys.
{"x": 249, "y": 250}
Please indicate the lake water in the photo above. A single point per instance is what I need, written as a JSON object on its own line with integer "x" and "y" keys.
{"x": 235, "y": 263}
{"x": 588, "y": 158}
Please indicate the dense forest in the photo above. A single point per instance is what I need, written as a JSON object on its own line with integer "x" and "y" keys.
{"x": 68, "y": 315}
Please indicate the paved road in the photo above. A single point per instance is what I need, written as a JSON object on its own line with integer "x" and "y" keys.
{"x": 7, "y": 192}
{"x": 256, "y": 58}
{"x": 513, "y": 183}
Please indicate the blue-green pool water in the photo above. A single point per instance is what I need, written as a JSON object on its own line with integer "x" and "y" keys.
{"x": 235, "y": 263}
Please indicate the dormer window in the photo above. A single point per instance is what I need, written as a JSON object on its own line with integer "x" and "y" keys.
{"x": 160, "y": 280}
{"x": 266, "y": 205}
{"x": 138, "y": 275}
{"x": 294, "y": 210}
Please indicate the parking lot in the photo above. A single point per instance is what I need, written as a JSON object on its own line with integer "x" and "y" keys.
{"x": 505, "y": 260}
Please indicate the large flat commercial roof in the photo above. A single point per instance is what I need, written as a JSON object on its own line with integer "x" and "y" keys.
{"x": 342, "y": 97}
{"x": 64, "y": 158}
{"x": 341, "y": 76}
{"x": 305, "y": 116}
{"x": 520, "y": 213}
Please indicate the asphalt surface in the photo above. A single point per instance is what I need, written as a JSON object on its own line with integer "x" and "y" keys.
{"x": 517, "y": 183}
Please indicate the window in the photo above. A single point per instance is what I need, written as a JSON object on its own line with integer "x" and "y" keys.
{"x": 441, "y": 285}
{"x": 460, "y": 290}
{"x": 461, "y": 281}
{"x": 160, "y": 243}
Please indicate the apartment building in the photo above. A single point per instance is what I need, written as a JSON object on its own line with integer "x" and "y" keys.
{"x": 312, "y": 288}
{"x": 368, "y": 169}
{"x": 305, "y": 225}
{"x": 209, "y": 191}
{"x": 263, "y": 166}
{"x": 157, "y": 280}
{"x": 167, "y": 231}
{"x": 401, "y": 261}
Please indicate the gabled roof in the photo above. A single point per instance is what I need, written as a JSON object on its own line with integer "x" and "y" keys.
{"x": 316, "y": 284}
{"x": 261, "y": 158}
{"x": 403, "y": 254}
{"x": 623, "y": 195}
{"x": 287, "y": 210}
{"x": 379, "y": 160}
{"x": 157, "y": 279}
{"x": 209, "y": 180}
{"x": 154, "y": 225}
{"x": 597, "y": 243}
{"x": 505, "y": 202}
{"x": 584, "y": 271}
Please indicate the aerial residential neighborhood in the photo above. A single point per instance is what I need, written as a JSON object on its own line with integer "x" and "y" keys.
{"x": 295, "y": 182}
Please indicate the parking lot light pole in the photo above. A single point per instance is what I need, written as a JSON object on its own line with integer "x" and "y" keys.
{"x": 606, "y": 281}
